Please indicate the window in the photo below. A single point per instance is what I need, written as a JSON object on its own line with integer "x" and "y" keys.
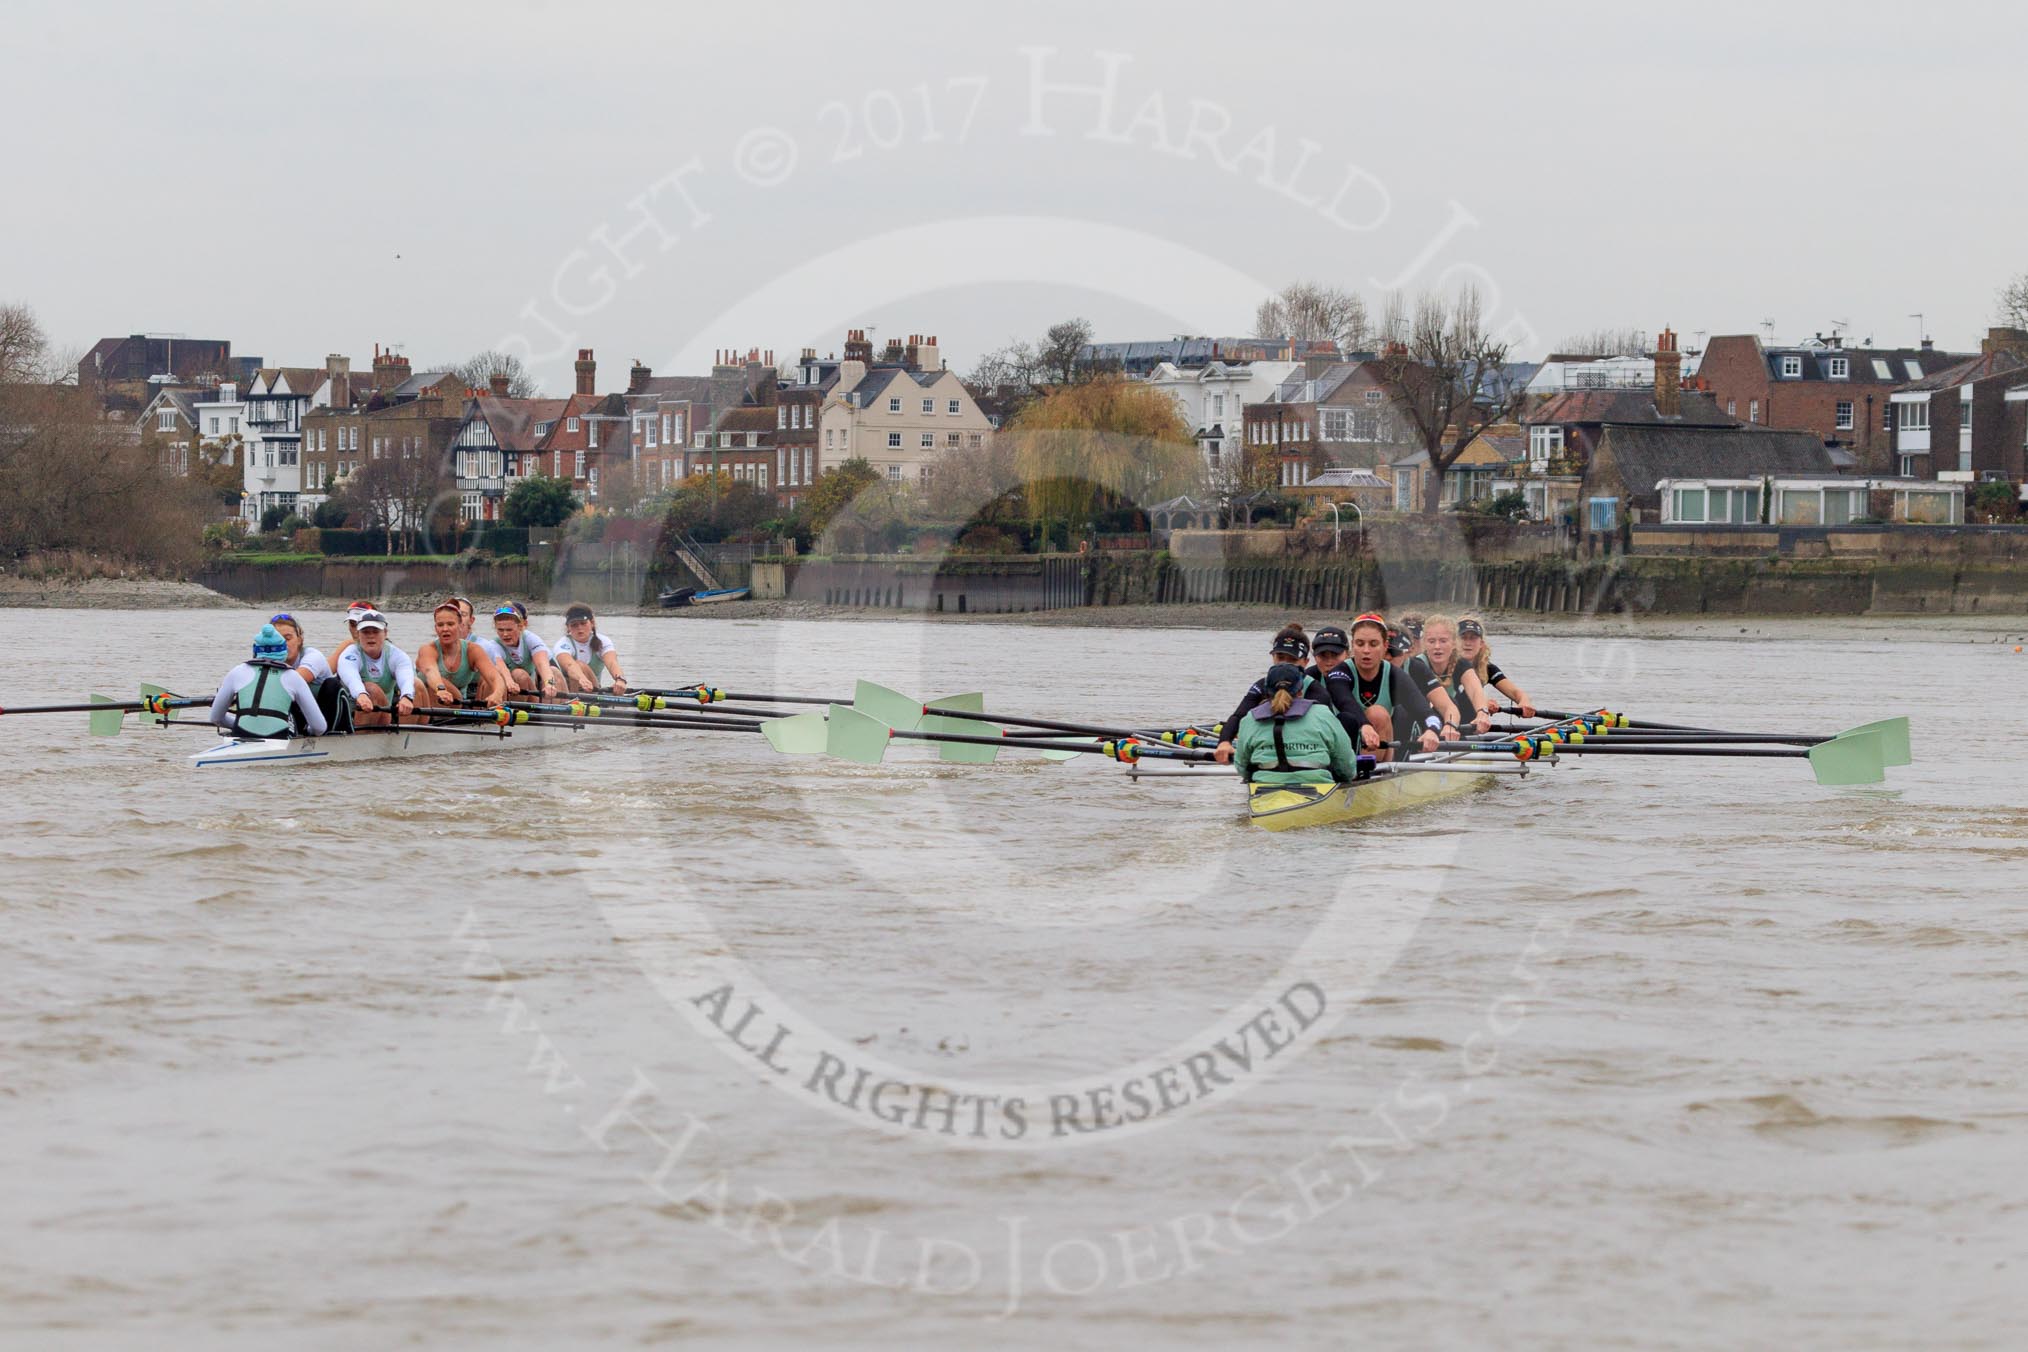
{"x": 1732, "y": 408}
{"x": 1880, "y": 371}
{"x": 165, "y": 421}
{"x": 1687, "y": 505}
{"x": 894, "y": 473}
{"x": 929, "y": 405}
{"x": 1908, "y": 467}
{"x": 577, "y": 470}
{"x": 928, "y": 441}
{"x": 1915, "y": 417}
{"x": 1545, "y": 443}
{"x": 951, "y": 441}
{"x": 1841, "y": 505}
{"x": 924, "y": 475}
{"x": 1792, "y": 368}
{"x": 894, "y": 404}
{"x": 782, "y": 419}
{"x": 570, "y": 424}
{"x": 592, "y": 481}
{"x": 1914, "y": 369}
{"x": 591, "y": 436}
{"x": 760, "y": 476}
{"x": 1841, "y": 368}
{"x": 1217, "y": 406}
{"x": 827, "y": 437}
{"x": 651, "y": 434}
{"x": 978, "y": 439}
{"x": 211, "y": 426}
{"x": 1965, "y": 411}
{"x": 1373, "y": 396}
{"x": 953, "y": 410}
{"x": 1753, "y": 410}
{"x": 894, "y": 441}
{"x": 1845, "y": 415}
{"x": 1603, "y": 514}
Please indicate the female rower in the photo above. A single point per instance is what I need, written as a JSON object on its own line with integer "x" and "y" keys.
{"x": 1460, "y": 682}
{"x": 1290, "y": 740}
{"x": 522, "y": 656}
{"x": 378, "y": 676}
{"x": 448, "y": 681}
{"x": 1393, "y": 708}
{"x": 1404, "y": 651}
{"x": 1290, "y": 645}
{"x": 315, "y": 669}
{"x": 1473, "y": 648}
{"x": 586, "y": 655}
{"x": 352, "y": 614}
{"x": 265, "y": 697}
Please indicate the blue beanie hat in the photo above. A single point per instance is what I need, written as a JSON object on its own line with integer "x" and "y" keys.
{"x": 270, "y": 646}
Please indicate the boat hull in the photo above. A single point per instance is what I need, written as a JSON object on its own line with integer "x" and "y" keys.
{"x": 272, "y": 752}
{"x": 1289, "y": 807}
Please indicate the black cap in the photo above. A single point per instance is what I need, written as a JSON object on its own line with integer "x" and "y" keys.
{"x": 1411, "y": 625}
{"x": 1398, "y": 644}
{"x": 1284, "y": 676}
{"x": 1472, "y": 627}
{"x": 1329, "y": 639}
{"x": 1290, "y": 645}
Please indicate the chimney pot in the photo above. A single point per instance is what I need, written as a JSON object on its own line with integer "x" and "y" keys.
{"x": 498, "y": 382}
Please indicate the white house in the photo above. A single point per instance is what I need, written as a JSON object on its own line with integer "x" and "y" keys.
{"x": 1213, "y": 397}
{"x": 899, "y": 419}
{"x": 268, "y": 417}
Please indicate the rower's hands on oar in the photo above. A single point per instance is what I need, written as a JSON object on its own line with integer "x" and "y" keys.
{"x": 1223, "y": 755}
{"x": 1428, "y": 739}
{"x": 1368, "y": 738}
{"x": 404, "y": 706}
{"x": 1483, "y": 721}
{"x": 619, "y": 685}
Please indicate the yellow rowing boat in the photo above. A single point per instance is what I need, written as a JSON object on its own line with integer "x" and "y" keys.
{"x": 1285, "y": 807}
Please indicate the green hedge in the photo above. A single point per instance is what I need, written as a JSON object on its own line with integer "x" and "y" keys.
{"x": 492, "y": 539}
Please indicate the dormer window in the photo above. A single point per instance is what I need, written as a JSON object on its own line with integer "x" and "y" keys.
{"x": 1840, "y": 368}
{"x": 1914, "y": 369}
{"x": 1792, "y": 368}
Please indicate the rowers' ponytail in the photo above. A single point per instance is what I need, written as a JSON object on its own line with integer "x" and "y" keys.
{"x": 1281, "y": 702}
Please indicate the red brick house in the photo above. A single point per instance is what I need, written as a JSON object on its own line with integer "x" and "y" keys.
{"x": 1564, "y": 429}
{"x": 1842, "y": 394}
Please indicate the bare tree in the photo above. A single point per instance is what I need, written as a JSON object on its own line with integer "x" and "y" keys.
{"x": 1446, "y": 375}
{"x": 477, "y": 372}
{"x": 23, "y": 346}
{"x": 1607, "y": 343}
{"x": 1057, "y": 358}
{"x": 1310, "y": 311}
{"x": 1014, "y": 365}
{"x": 2014, "y": 303}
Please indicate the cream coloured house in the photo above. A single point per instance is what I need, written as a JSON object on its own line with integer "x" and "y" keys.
{"x": 899, "y": 419}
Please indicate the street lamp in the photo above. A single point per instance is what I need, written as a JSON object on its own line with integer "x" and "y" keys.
{"x": 1337, "y": 522}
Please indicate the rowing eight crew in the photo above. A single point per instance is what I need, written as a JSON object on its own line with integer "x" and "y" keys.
{"x": 372, "y": 683}
{"x": 1412, "y": 685}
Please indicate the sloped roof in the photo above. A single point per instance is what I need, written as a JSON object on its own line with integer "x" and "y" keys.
{"x": 417, "y": 383}
{"x": 514, "y": 420}
{"x": 1982, "y": 367}
{"x": 1626, "y": 407}
{"x": 1645, "y": 455}
{"x": 1816, "y": 362}
{"x": 754, "y": 418}
{"x": 301, "y": 379}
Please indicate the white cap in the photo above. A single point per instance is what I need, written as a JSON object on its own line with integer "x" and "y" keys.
{"x": 371, "y": 619}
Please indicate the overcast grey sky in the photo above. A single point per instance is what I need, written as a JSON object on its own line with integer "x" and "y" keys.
{"x": 655, "y": 181}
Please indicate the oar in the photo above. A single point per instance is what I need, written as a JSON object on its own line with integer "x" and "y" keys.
{"x": 652, "y": 704}
{"x": 97, "y": 704}
{"x": 567, "y": 715}
{"x": 1855, "y": 757}
{"x": 855, "y": 736}
{"x": 1893, "y": 733}
{"x": 710, "y": 694}
{"x": 1629, "y": 737}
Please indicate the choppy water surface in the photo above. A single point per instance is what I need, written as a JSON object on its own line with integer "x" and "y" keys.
{"x": 1635, "y": 1053}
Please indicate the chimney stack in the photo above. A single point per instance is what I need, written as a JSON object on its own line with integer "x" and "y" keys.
{"x": 587, "y": 372}
{"x": 2003, "y": 339}
{"x": 499, "y": 383}
{"x": 857, "y": 348}
{"x": 638, "y": 377}
{"x": 340, "y": 370}
{"x": 1668, "y": 376}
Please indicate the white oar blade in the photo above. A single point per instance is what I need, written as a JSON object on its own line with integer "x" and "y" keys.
{"x": 851, "y": 735}
{"x": 973, "y": 702}
{"x": 962, "y": 753}
{"x": 891, "y": 707}
{"x": 803, "y": 735}
{"x": 1893, "y": 732}
{"x": 105, "y": 722}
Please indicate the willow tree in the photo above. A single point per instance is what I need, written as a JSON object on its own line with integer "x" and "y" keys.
{"x": 1108, "y": 443}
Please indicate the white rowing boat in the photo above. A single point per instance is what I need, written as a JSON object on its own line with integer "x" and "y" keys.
{"x": 233, "y": 752}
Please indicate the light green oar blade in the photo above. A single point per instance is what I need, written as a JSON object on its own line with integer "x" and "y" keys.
{"x": 963, "y": 753}
{"x": 1893, "y": 734}
{"x": 1849, "y": 758}
{"x": 891, "y": 707}
{"x": 105, "y": 722}
{"x": 851, "y": 735}
{"x": 802, "y": 735}
{"x": 149, "y": 720}
{"x": 973, "y": 702}
{"x": 1066, "y": 755}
